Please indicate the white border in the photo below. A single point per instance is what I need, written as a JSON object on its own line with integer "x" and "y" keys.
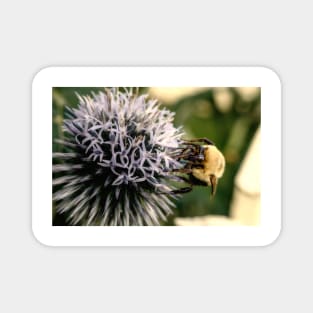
{"x": 261, "y": 235}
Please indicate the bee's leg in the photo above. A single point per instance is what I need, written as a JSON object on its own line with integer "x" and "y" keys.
{"x": 180, "y": 179}
{"x": 183, "y": 170}
{"x": 184, "y": 189}
{"x": 181, "y": 156}
{"x": 191, "y": 157}
{"x": 193, "y": 152}
{"x": 204, "y": 140}
{"x": 191, "y": 160}
{"x": 177, "y": 191}
{"x": 181, "y": 190}
{"x": 187, "y": 151}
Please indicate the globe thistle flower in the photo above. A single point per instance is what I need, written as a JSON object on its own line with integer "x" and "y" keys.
{"x": 117, "y": 161}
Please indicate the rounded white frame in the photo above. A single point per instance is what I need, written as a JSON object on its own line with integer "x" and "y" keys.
{"x": 263, "y": 234}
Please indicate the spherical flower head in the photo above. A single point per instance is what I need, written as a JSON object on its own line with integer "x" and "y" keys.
{"x": 118, "y": 161}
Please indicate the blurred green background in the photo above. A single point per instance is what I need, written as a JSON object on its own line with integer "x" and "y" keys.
{"x": 227, "y": 116}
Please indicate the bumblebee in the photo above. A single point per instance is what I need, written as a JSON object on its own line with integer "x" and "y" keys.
{"x": 203, "y": 163}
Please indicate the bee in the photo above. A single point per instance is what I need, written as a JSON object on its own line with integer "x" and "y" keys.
{"x": 203, "y": 163}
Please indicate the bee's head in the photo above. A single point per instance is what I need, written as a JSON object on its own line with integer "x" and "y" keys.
{"x": 214, "y": 165}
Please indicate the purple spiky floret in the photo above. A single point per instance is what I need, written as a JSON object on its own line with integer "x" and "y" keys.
{"x": 117, "y": 161}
